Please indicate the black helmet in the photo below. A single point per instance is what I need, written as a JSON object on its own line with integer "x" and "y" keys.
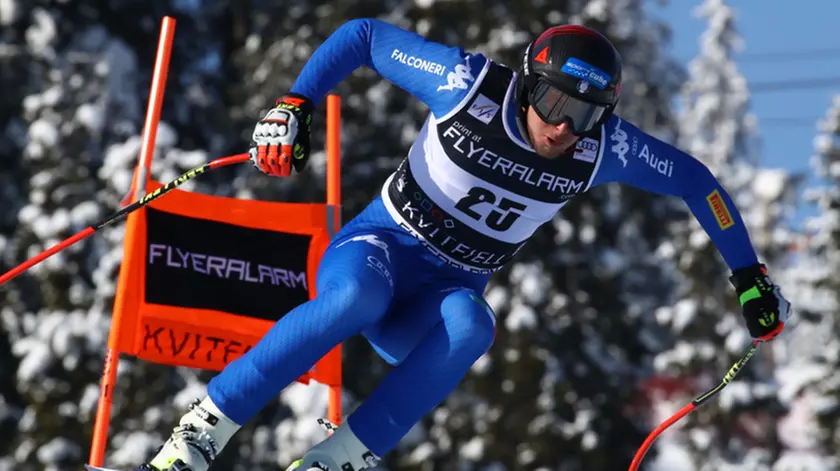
{"x": 571, "y": 73}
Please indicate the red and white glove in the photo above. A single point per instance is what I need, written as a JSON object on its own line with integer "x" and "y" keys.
{"x": 281, "y": 139}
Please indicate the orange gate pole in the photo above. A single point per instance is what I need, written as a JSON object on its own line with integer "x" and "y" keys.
{"x": 334, "y": 203}
{"x": 112, "y": 356}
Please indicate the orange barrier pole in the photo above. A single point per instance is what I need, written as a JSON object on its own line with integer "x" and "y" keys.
{"x": 334, "y": 151}
{"x": 334, "y": 201}
{"x": 147, "y": 149}
{"x": 112, "y": 357}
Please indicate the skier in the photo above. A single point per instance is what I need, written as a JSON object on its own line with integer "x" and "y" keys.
{"x": 500, "y": 153}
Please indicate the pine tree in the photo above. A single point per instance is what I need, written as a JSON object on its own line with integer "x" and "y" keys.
{"x": 807, "y": 375}
{"x": 77, "y": 88}
{"x": 717, "y": 128}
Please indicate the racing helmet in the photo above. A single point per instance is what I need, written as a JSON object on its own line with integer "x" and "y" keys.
{"x": 570, "y": 73}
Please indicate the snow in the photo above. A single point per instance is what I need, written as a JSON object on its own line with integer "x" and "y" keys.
{"x": 587, "y": 233}
{"x": 671, "y": 457}
{"x": 684, "y": 313}
{"x": 798, "y": 376}
{"x": 89, "y": 401}
{"x": 804, "y": 461}
{"x": 86, "y": 212}
{"x": 770, "y": 184}
{"x": 42, "y": 33}
{"x": 166, "y": 136}
{"x": 9, "y": 12}
{"x": 473, "y": 450}
{"x": 43, "y": 133}
{"x": 119, "y": 158}
{"x": 132, "y": 448}
{"x": 35, "y": 359}
{"x": 29, "y": 214}
{"x": 565, "y": 230}
{"x": 422, "y": 453}
{"x": 737, "y": 393}
{"x": 520, "y": 317}
{"x": 92, "y": 117}
{"x": 737, "y": 340}
{"x": 482, "y": 365}
{"x": 294, "y": 436}
{"x": 532, "y": 281}
{"x": 58, "y": 449}
{"x": 598, "y": 9}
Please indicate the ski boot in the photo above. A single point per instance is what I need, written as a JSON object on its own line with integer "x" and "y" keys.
{"x": 341, "y": 451}
{"x": 195, "y": 442}
{"x": 187, "y": 449}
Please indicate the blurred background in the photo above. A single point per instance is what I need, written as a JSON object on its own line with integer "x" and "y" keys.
{"x": 617, "y": 314}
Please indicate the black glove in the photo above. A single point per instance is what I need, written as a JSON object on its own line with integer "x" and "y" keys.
{"x": 281, "y": 139}
{"x": 764, "y": 308}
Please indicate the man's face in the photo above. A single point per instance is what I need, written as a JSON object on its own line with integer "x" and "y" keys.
{"x": 549, "y": 140}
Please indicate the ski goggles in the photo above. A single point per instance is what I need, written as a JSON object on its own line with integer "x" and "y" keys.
{"x": 554, "y": 106}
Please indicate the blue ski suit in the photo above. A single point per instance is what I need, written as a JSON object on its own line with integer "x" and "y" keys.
{"x": 410, "y": 270}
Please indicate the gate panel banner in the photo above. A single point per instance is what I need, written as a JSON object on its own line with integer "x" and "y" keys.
{"x": 209, "y": 276}
{"x": 204, "y": 277}
{"x": 205, "y": 264}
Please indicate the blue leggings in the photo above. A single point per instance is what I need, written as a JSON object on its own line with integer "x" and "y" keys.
{"x": 427, "y": 319}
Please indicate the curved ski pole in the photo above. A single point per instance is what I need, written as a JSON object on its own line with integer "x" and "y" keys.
{"x": 730, "y": 375}
{"x": 116, "y": 216}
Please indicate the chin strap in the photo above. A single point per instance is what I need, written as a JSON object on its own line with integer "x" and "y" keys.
{"x": 523, "y": 130}
{"x": 521, "y": 119}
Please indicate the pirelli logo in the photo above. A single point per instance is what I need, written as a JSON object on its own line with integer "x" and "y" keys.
{"x": 722, "y": 215}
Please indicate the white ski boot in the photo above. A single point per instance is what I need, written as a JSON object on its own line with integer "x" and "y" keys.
{"x": 200, "y": 436}
{"x": 341, "y": 451}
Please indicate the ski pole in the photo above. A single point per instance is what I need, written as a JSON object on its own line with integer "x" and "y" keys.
{"x": 116, "y": 216}
{"x": 648, "y": 443}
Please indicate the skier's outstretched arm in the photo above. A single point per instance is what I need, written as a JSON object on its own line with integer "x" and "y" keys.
{"x": 436, "y": 74}
{"x": 440, "y": 76}
{"x": 634, "y": 157}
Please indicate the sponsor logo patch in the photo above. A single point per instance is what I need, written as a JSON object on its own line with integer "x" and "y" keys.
{"x": 483, "y": 109}
{"x": 458, "y": 78}
{"x": 724, "y": 218}
{"x": 590, "y": 73}
{"x": 586, "y": 149}
{"x": 619, "y": 143}
{"x": 418, "y": 62}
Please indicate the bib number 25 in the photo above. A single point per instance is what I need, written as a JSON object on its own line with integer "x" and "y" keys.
{"x": 500, "y": 218}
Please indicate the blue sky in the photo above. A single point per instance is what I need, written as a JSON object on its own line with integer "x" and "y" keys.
{"x": 787, "y": 118}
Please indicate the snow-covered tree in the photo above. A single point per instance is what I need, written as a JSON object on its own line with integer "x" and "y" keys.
{"x": 76, "y": 78}
{"x": 809, "y": 360}
{"x": 717, "y": 128}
